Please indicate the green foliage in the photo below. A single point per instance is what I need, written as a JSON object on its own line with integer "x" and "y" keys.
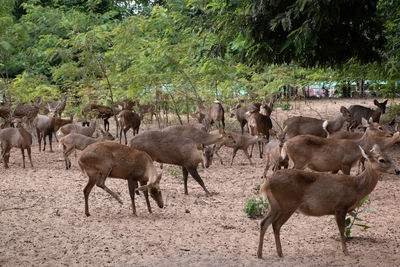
{"x": 286, "y": 106}
{"x": 255, "y": 208}
{"x": 353, "y": 216}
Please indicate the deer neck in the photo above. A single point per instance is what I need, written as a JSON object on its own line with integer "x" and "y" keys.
{"x": 366, "y": 141}
{"x": 25, "y": 135}
{"x": 367, "y": 181}
{"x": 336, "y": 124}
{"x": 212, "y": 139}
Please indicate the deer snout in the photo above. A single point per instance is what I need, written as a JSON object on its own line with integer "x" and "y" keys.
{"x": 397, "y": 171}
{"x": 280, "y": 145}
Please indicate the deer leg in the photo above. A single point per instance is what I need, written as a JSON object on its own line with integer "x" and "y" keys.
{"x": 5, "y": 155}
{"x": 23, "y": 158}
{"x": 28, "y": 149}
{"x": 260, "y": 148}
{"x": 86, "y": 191}
{"x": 146, "y": 196}
{"x": 197, "y": 177}
{"x": 120, "y": 134}
{"x": 276, "y": 225}
{"x": 39, "y": 138}
{"x": 251, "y": 150}
{"x": 101, "y": 183}
{"x": 268, "y": 219}
{"x": 234, "y": 154}
{"x": 340, "y": 216}
{"x": 185, "y": 179}
{"x": 217, "y": 148}
{"x": 132, "y": 185}
{"x": 266, "y": 167}
{"x": 247, "y": 155}
{"x": 125, "y": 130}
{"x": 67, "y": 152}
{"x": 51, "y": 141}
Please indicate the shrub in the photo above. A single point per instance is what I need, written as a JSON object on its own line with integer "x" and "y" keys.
{"x": 353, "y": 217}
{"x": 256, "y": 208}
{"x": 285, "y": 106}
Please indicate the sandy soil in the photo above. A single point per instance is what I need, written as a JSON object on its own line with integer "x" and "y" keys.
{"x": 43, "y": 222}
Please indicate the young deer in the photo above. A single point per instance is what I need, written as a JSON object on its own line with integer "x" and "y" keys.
{"x": 76, "y": 141}
{"x": 102, "y": 160}
{"x": 304, "y": 125}
{"x": 318, "y": 194}
{"x": 128, "y": 119}
{"x": 169, "y": 148}
{"x": 259, "y": 124}
{"x": 273, "y": 154}
{"x": 18, "y": 138}
{"x": 358, "y": 112}
{"x": 214, "y": 114}
{"x": 326, "y": 154}
{"x": 241, "y": 113}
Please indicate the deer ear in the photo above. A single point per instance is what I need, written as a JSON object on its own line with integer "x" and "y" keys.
{"x": 363, "y": 152}
{"x": 385, "y": 102}
{"x": 375, "y": 148}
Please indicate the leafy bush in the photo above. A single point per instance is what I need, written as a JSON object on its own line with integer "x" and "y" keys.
{"x": 353, "y": 217}
{"x": 285, "y": 106}
{"x": 256, "y": 208}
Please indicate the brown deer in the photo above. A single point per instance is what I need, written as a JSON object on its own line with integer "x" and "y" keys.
{"x": 169, "y": 148}
{"x": 197, "y": 135}
{"x": 326, "y": 154}
{"x": 214, "y": 114}
{"x": 260, "y": 124}
{"x": 48, "y": 126}
{"x": 76, "y": 141}
{"x": 318, "y": 194}
{"x": 99, "y": 112}
{"x": 304, "y": 125}
{"x": 241, "y": 142}
{"x": 241, "y": 113}
{"x": 128, "y": 119}
{"x": 101, "y": 160}
{"x": 5, "y": 114}
{"x": 359, "y": 112}
{"x": 27, "y": 113}
{"x": 18, "y": 138}
{"x": 56, "y": 108}
{"x": 73, "y": 128}
{"x": 146, "y": 108}
{"x": 273, "y": 154}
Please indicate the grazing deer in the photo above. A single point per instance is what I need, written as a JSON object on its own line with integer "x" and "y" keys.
{"x": 169, "y": 148}
{"x": 304, "y": 125}
{"x": 318, "y": 194}
{"x": 76, "y": 141}
{"x": 327, "y": 154}
{"x": 358, "y": 112}
{"x": 101, "y": 160}
{"x": 18, "y": 138}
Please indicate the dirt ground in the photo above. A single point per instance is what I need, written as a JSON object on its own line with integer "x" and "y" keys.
{"x": 43, "y": 222}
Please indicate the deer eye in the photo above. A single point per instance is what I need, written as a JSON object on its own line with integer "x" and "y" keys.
{"x": 382, "y": 160}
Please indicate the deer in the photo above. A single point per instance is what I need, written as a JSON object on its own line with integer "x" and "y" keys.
{"x": 99, "y": 112}
{"x": 168, "y": 148}
{"x": 359, "y": 112}
{"x": 304, "y": 125}
{"x": 197, "y": 135}
{"x": 146, "y": 108}
{"x": 326, "y": 154}
{"x": 5, "y": 114}
{"x": 27, "y": 113}
{"x": 73, "y": 128}
{"x": 47, "y": 126}
{"x": 128, "y": 119}
{"x": 18, "y": 138}
{"x": 101, "y": 160}
{"x": 318, "y": 194}
{"x": 260, "y": 123}
{"x": 76, "y": 141}
{"x": 241, "y": 113}
{"x": 214, "y": 114}
{"x": 241, "y": 142}
{"x": 273, "y": 154}
{"x": 56, "y": 108}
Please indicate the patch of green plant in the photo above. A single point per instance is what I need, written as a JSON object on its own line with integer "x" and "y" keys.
{"x": 256, "y": 208}
{"x": 257, "y": 187}
{"x": 353, "y": 216}
{"x": 176, "y": 172}
{"x": 286, "y": 106}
